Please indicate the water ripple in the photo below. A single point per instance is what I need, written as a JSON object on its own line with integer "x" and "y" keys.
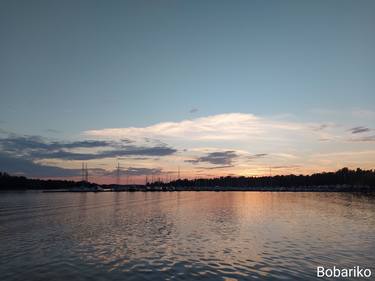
{"x": 182, "y": 236}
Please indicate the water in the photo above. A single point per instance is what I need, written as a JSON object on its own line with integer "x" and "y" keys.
{"x": 183, "y": 235}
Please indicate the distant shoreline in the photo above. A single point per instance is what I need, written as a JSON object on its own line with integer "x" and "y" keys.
{"x": 337, "y": 188}
{"x": 343, "y": 180}
{"x": 206, "y": 190}
{"x": 144, "y": 188}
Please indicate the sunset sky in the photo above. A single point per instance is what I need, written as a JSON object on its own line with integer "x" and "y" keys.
{"x": 214, "y": 87}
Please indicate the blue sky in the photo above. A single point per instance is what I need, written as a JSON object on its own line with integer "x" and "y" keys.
{"x": 68, "y": 67}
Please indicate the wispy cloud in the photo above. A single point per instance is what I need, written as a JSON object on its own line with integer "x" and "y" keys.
{"x": 216, "y": 158}
{"x": 53, "y": 131}
{"x": 35, "y": 147}
{"x": 20, "y": 143}
{"x": 321, "y": 127}
{"x": 216, "y": 167}
{"x": 220, "y": 127}
{"x": 125, "y": 151}
{"x": 22, "y": 166}
{"x": 136, "y": 171}
{"x": 360, "y": 129}
{"x": 365, "y": 139}
{"x": 239, "y": 143}
{"x": 285, "y": 167}
{"x": 257, "y": 156}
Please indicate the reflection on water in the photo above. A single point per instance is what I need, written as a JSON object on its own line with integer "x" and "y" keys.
{"x": 182, "y": 235}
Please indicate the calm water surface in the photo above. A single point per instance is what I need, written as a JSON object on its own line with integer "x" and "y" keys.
{"x": 183, "y": 235}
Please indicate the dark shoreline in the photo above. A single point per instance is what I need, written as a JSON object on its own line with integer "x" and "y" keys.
{"x": 343, "y": 180}
{"x": 361, "y": 191}
{"x": 350, "y": 189}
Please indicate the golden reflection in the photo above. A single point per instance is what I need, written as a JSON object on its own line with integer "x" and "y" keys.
{"x": 240, "y": 233}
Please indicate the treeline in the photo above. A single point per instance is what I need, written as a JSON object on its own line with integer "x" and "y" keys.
{"x": 341, "y": 180}
{"x": 8, "y": 182}
{"x": 345, "y": 176}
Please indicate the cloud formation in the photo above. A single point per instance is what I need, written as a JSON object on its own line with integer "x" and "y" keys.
{"x": 216, "y": 158}
{"x": 35, "y": 148}
{"x": 365, "y": 139}
{"x": 211, "y": 143}
{"x": 53, "y": 131}
{"x": 125, "y": 151}
{"x": 21, "y": 166}
{"x": 358, "y": 130}
{"x": 221, "y": 127}
{"x": 217, "y": 167}
{"x": 134, "y": 171}
{"x": 257, "y": 156}
{"x": 20, "y": 143}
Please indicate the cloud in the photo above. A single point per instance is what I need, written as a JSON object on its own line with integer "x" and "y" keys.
{"x": 257, "y": 156}
{"x": 16, "y": 143}
{"x": 214, "y": 142}
{"x": 230, "y": 126}
{"x": 285, "y": 167}
{"x": 216, "y": 158}
{"x": 34, "y": 147}
{"x": 348, "y": 158}
{"x": 125, "y": 151}
{"x": 364, "y": 139}
{"x": 31, "y": 155}
{"x": 132, "y": 171}
{"x": 53, "y": 131}
{"x": 217, "y": 167}
{"x": 360, "y": 129}
{"x": 322, "y": 127}
{"x": 21, "y": 166}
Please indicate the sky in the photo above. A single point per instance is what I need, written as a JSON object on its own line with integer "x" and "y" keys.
{"x": 214, "y": 88}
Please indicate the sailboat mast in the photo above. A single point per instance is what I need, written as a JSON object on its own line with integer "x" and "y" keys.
{"x": 86, "y": 174}
{"x": 83, "y": 172}
{"x": 118, "y": 174}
